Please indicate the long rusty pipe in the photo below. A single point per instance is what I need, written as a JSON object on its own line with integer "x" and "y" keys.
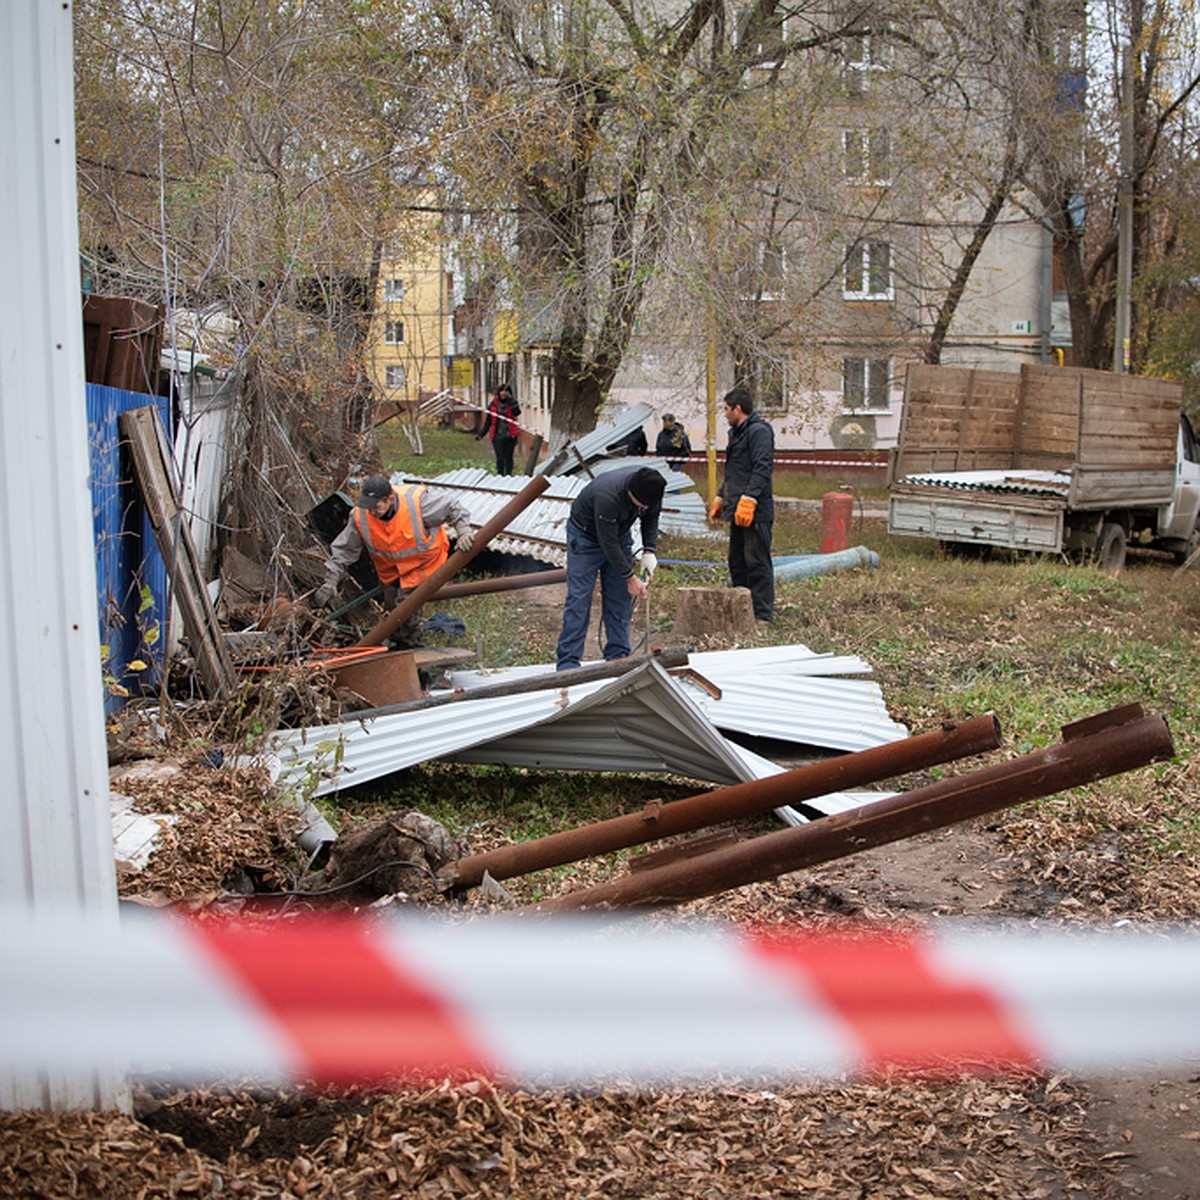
{"x": 500, "y": 583}
{"x": 459, "y": 559}
{"x": 1107, "y": 744}
{"x": 657, "y": 820}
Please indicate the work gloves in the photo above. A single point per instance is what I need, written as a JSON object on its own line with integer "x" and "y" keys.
{"x": 743, "y": 515}
{"x": 649, "y": 564}
{"x": 714, "y": 510}
{"x": 323, "y": 596}
{"x": 465, "y": 540}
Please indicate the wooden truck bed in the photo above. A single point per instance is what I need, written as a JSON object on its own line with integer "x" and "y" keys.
{"x": 1113, "y": 436}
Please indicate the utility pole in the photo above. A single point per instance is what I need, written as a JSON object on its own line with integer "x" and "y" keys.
{"x": 1121, "y": 318}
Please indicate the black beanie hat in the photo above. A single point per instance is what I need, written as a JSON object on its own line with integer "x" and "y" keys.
{"x": 646, "y": 486}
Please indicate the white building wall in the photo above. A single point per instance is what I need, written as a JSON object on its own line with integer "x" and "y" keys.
{"x": 56, "y": 849}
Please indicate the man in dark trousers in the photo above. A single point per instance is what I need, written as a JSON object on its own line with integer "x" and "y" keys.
{"x": 746, "y": 501}
{"x": 599, "y": 542}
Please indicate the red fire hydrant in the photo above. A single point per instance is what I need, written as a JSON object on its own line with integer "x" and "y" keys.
{"x": 837, "y": 510}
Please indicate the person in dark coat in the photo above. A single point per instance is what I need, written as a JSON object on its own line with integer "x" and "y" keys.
{"x": 746, "y": 501}
{"x": 599, "y": 542}
{"x": 501, "y": 426}
{"x": 672, "y": 442}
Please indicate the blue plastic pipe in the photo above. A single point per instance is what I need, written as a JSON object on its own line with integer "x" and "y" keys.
{"x": 803, "y": 566}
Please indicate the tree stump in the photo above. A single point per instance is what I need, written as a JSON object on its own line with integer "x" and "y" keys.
{"x": 703, "y": 611}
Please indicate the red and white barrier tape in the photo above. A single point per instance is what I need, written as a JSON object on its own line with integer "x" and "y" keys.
{"x": 541, "y": 1002}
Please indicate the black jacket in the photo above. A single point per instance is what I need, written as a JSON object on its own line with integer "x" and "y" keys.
{"x": 605, "y": 513}
{"x": 749, "y": 459}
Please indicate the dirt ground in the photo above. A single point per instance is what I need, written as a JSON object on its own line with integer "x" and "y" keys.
{"x": 1147, "y": 1128}
{"x": 1017, "y": 1139}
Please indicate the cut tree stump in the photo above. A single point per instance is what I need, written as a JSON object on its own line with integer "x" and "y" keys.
{"x": 703, "y": 611}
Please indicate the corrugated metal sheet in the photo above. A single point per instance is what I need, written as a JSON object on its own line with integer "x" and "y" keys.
{"x": 1053, "y": 483}
{"x": 786, "y": 693}
{"x": 642, "y": 721}
{"x": 57, "y": 851}
{"x": 540, "y": 530}
{"x": 592, "y": 445}
{"x": 645, "y": 721}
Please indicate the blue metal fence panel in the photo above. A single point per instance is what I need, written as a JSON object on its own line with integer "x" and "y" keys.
{"x": 132, "y": 595}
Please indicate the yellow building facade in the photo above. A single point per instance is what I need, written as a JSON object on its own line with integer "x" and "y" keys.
{"x": 410, "y": 335}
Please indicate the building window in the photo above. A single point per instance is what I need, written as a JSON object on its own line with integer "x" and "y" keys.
{"x": 393, "y": 289}
{"x": 769, "y": 47}
{"x": 868, "y": 156}
{"x": 866, "y": 384}
{"x": 393, "y": 333}
{"x": 395, "y": 377}
{"x": 764, "y": 378}
{"x": 868, "y": 271}
{"x": 764, "y": 279}
{"x": 863, "y": 54}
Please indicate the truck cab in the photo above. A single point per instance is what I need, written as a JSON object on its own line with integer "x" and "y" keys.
{"x": 1179, "y": 522}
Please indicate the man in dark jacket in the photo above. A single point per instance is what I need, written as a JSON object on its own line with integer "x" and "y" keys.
{"x": 673, "y": 443}
{"x": 599, "y": 542}
{"x": 746, "y": 501}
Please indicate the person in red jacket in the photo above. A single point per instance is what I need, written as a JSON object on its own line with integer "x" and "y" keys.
{"x": 501, "y": 425}
{"x": 403, "y": 529}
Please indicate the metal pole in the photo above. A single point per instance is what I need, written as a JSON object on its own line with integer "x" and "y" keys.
{"x": 1122, "y": 317}
{"x": 656, "y": 820}
{"x": 501, "y": 583}
{"x": 1112, "y": 742}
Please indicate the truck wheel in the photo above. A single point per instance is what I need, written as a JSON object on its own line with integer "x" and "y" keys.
{"x": 1110, "y": 548}
{"x": 1193, "y": 544}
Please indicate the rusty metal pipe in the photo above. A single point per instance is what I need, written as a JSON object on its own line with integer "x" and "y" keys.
{"x": 459, "y": 559}
{"x": 1107, "y": 744}
{"x": 500, "y": 583}
{"x": 657, "y": 820}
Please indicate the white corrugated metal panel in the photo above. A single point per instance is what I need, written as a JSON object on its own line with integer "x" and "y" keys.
{"x": 540, "y": 530}
{"x": 644, "y": 723}
{"x": 837, "y": 714}
{"x": 592, "y": 445}
{"x": 787, "y": 693}
{"x": 57, "y": 847}
{"x": 1054, "y": 483}
{"x": 373, "y": 746}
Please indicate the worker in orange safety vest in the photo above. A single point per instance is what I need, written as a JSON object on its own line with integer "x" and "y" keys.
{"x": 403, "y": 529}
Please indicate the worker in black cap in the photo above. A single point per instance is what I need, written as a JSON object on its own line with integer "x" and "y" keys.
{"x": 599, "y": 542}
{"x": 403, "y": 528}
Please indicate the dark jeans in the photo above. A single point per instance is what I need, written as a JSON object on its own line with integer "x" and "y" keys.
{"x": 750, "y": 565}
{"x": 504, "y": 448}
{"x": 586, "y": 560}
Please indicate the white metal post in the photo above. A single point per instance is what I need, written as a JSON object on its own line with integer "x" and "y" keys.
{"x": 55, "y": 827}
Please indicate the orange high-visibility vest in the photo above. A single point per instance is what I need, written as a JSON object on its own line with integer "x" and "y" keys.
{"x": 399, "y": 549}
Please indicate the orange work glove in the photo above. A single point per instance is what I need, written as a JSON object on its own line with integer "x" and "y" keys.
{"x": 714, "y": 509}
{"x": 743, "y": 515}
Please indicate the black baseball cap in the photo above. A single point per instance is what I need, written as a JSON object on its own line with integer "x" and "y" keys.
{"x": 374, "y": 489}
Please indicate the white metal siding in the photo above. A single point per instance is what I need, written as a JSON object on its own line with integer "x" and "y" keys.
{"x": 56, "y": 851}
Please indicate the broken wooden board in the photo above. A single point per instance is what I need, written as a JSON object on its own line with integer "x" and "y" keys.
{"x": 154, "y": 469}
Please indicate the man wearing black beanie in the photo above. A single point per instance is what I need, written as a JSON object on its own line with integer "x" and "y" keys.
{"x": 599, "y": 542}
